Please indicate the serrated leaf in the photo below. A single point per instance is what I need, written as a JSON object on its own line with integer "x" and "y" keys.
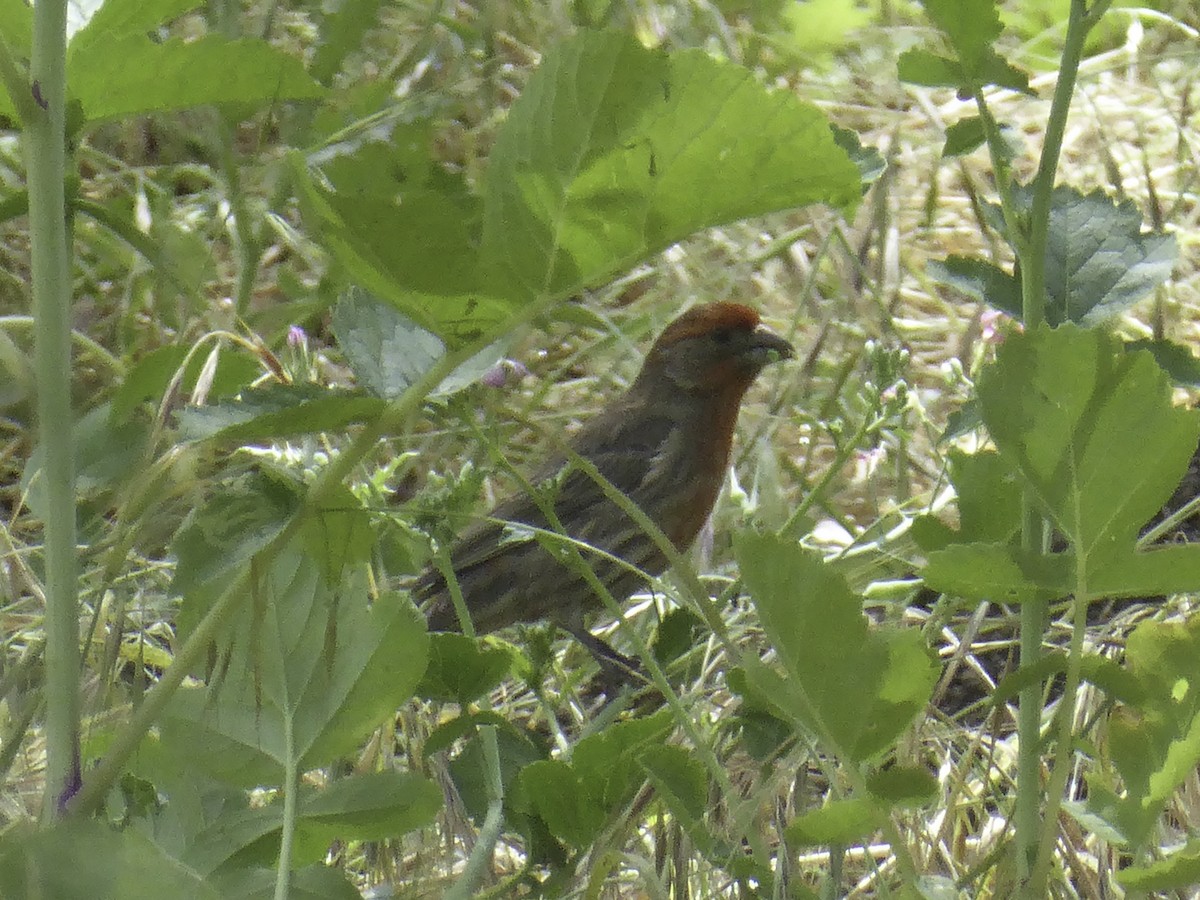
{"x": 1092, "y": 431}
{"x": 461, "y": 669}
{"x": 108, "y": 77}
{"x": 1180, "y": 869}
{"x": 860, "y": 688}
{"x": 610, "y": 154}
{"x": 311, "y": 672}
{"x": 387, "y": 351}
{"x": 278, "y": 411}
{"x": 839, "y": 822}
{"x": 1098, "y": 261}
{"x": 564, "y": 801}
{"x": 234, "y": 524}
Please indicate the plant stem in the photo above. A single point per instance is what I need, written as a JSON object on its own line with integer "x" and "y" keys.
{"x": 1030, "y": 241}
{"x": 291, "y": 785}
{"x": 45, "y": 143}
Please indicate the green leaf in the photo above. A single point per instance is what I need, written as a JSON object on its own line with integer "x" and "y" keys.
{"x": 387, "y": 351}
{"x": 970, "y": 26}
{"x": 1180, "y": 869}
{"x": 337, "y": 533}
{"x": 87, "y": 860}
{"x": 235, "y": 523}
{"x": 998, "y": 572}
{"x": 610, "y": 154}
{"x": 903, "y": 786}
{"x": 858, "y": 687}
{"x": 278, "y": 411}
{"x": 311, "y": 671}
{"x": 980, "y": 281}
{"x": 374, "y": 806}
{"x": 342, "y": 27}
{"x": 564, "y": 801}
{"x": 608, "y": 760}
{"x": 1155, "y": 746}
{"x": 461, "y": 670}
{"x": 1098, "y": 261}
{"x": 108, "y": 77}
{"x": 127, "y": 18}
{"x": 838, "y": 822}
{"x": 964, "y": 136}
{"x": 16, "y": 24}
{"x": 1175, "y": 359}
{"x": 1092, "y": 430}
{"x": 680, "y": 779}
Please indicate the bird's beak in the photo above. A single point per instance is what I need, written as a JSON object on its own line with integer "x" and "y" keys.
{"x": 767, "y": 347}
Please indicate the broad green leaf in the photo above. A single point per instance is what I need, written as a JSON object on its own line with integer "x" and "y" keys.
{"x": 680, "y": 778}
{"x": 608, "y": 760}
{"x": 374, "y": 806}
{"x": 127, "y": 18}
{"x": 840, "y": 822}
{"x": 1092, "y": 430}
{"x": 88, "y": 860}
{"x": 858, "y": 687}
{"x": 16, "y": 24}
{"x": 998, "y": 572}
{"x": 988, "y": 497}
{"x": 387, "y": 351}
{"x": 337, "y": 533}
{"x": 419, "y": 254}
{"x": 970, "y": 26}
{"x": 461, "y": 670}
{"x": 311, "y": 671}
{"x": 278, "y": 411}
{"x": 1099, "y": 262}
{"x": 1155, "y": 746}
{"x": 612, "y": 151}
{"x": 566, "y": 802}
{"x": 316, "y": 882}
{"x": 234, "y": 524}
{"x": 109, "y": 77}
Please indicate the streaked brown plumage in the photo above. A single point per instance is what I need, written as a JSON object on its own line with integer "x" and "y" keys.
{"x": 665, "y": 444}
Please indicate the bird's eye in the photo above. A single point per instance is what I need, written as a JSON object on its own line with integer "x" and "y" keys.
{"x": 722, "y": 335}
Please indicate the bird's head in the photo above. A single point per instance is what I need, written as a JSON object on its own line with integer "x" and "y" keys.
{"x": 711, "y": 349}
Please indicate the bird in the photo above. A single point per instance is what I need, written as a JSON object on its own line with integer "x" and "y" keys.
{"x": 664, "y": 443}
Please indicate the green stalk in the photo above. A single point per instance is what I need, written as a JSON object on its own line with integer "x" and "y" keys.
{"x": 291, "y": 786}
{"x": 1030, "y": 240}
{"x": 45, "y": 144}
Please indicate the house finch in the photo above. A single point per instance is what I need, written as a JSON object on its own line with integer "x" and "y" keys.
{"x": 665, "y": 444}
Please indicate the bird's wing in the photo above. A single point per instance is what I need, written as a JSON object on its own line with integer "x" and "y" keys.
{"x": 623, "y": 448}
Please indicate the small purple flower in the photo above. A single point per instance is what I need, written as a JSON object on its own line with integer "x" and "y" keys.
{"x": 503, "y": 372}
{"x": 296, "y": 336}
